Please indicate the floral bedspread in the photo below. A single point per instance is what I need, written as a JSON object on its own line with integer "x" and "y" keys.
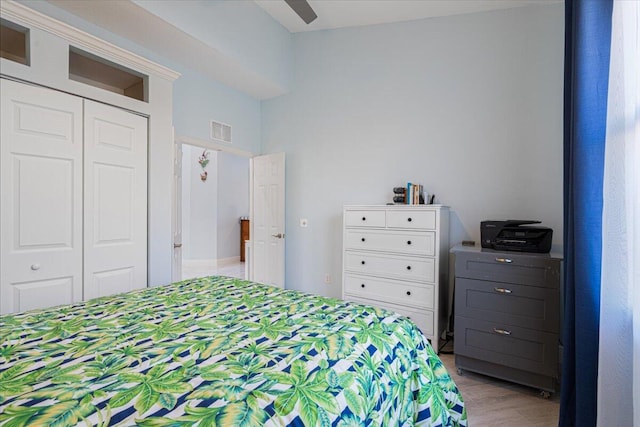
{"x": 219, "y": 351}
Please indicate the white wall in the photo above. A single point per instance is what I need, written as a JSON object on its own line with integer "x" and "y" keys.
{"x": 200, "y": 206}
{"x": 196, "y": 100}
{"x": 470, "y": 106}
{"x": 49, "y": 68}
{"x": 233, "y": 202}
{"x": 186, "y": 200}
{"x": 211, "y": 210}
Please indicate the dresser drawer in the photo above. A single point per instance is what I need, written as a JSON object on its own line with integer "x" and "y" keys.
{"x": 517, "y": 305}
{"x": 365, "y": 218}
{"x": 422, "y": 318}
{"x": 510, "y": 346}
{"x": 509, "y": 268}
{"x": 413, "y": 242}
{"x": 411, "y": 219}
{"x": 403, "y": 267}
{"x": 393, "y": 291}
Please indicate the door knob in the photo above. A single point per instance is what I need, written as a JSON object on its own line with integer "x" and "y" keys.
{"x": 278, "y": 236}
{"x": 35, "y": 267}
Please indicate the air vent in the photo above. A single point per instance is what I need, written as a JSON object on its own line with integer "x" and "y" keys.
{"x": 220, "y": 131}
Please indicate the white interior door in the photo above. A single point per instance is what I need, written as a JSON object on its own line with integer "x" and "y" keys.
{"x": 176, "y": 273}
{"x": 267, "y": 219}
{"x": 115, "y": 200}
{"x": 41, "y": 198}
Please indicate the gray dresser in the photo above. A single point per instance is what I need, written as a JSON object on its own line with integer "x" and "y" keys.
{"x": 507, "y": 315}
{"x": 396, "y": 257}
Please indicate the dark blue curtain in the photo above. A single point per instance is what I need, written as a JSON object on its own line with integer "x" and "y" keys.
{"x": 587, "y": 51}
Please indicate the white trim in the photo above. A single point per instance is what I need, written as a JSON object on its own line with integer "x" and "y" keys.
{"x": 14, "y": 11}
{"x": 212, "y": 145}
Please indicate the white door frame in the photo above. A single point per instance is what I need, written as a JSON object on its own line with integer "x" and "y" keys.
{"x": 177, "y": 197}
{"x": 176, "y": 223}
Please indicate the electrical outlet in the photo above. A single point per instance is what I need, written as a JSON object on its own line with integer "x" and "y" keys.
{"x": 327, "y": 279}
{"x": 303, "y": 222}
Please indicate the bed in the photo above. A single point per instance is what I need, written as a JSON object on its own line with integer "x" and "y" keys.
{"x": 220, "y": 351}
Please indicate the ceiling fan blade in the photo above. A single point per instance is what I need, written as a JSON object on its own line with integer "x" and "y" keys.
{"x": 303, "y": 9}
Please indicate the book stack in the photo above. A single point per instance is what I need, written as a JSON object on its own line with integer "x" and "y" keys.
{"x": 412, "y": 194}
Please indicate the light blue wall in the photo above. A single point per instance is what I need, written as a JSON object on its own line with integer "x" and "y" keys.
{"x": 211, "y": 210}
{"x": 238, "y": 29}
{"x": 199, "y": 206}
{"x": 233, "y": 194}
{"x": 470, "y": 106}
{"x": 196, "y": 98}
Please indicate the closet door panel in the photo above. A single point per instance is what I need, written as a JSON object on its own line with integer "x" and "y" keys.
{"x": 41, "y": 205}
{"x": 115, "y": 200}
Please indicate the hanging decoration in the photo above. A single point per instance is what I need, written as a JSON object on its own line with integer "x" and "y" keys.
{"x": 204, "y": 161}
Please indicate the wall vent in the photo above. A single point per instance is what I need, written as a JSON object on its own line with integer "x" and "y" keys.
{"x": 220, "y": 131}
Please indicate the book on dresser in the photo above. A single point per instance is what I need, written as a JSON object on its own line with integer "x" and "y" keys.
{"x": 396, "y": 257}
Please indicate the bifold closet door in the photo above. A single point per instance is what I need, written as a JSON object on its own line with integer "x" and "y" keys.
{"x": 115, "y": 200}
{"x": 41, "y": 148}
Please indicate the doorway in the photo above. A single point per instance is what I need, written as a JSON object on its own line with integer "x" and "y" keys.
{"x": 214, "y": 197}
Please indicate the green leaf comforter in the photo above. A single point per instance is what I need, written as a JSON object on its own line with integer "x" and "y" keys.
{"x": 220, "y": 352}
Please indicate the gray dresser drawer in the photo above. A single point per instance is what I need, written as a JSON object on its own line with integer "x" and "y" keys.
{"x": 510, "y": 346}
{"x": 509, "y": 268}
{"x": 517, "y": 305}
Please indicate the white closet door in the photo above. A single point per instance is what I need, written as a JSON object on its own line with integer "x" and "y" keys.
{"x": 115, "y": 200}
{"x": 41, "y": 198}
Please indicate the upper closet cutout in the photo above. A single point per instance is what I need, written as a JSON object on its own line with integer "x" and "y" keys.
{"x": 90, "y": 69}
{"x": 14, "y": 42}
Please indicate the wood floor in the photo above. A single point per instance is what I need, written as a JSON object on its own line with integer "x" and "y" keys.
{"x": 492, "y": 402}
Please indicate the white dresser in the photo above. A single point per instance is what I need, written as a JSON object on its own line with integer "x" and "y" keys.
{"x": 396, "y": 257}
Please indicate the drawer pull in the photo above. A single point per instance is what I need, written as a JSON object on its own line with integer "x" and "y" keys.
{"x": 408, "y": 242}
{"x": 409, "y": 219}
{"x": 503, "y": 290}
{"x": 362, "y": 262}
{"x": 408, "y": 292}
{"x": 35, "y": 267}
{"x": 363, "y": 239}
{"x": 362, "y": 285}
{"x": 501, "y": 331}
{"x": 408, "y": 267}
{"x": 504, "y": 260}
{"x": 364, "y": 218}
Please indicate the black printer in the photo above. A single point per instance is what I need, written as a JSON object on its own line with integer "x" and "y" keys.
{"x": 515, "y": 235}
